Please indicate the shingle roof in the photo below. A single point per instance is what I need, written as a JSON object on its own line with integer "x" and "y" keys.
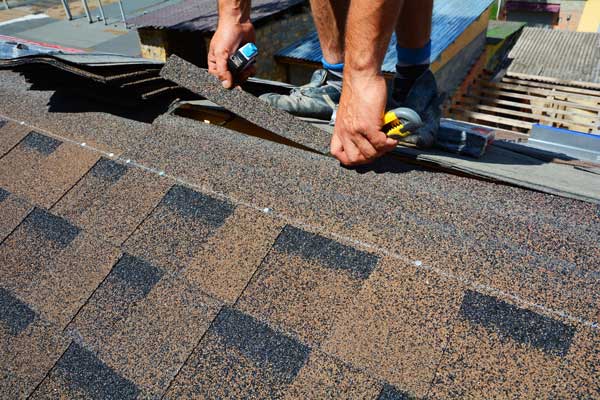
{"x": 183, "y": 259}
{"x": 202, "y": 15}
{"x": 450, "y": 19}
{"x": 556, "y": 56}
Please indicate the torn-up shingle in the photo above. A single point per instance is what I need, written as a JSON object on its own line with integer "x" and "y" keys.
{"x": 524, "y": 326}
{"x": 174, "y": 232}
{"x": 112, "y": 200}
{"x": 240, "y": 357}
{"x": 81, "y": 370}
{"x": 53, "y": 266}
{"x": 43, "y": 144}
{"x": 109, "y": 170}
{"x": 52, "y": 227}
{"x": 245, "y": 105}
{"x": 330, "y": 253}
{"x": 397, "y": 326}
{"x": 43, "y": 175}
{"x": 15, "y": 314}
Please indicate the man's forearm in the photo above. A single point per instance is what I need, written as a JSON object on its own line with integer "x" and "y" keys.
{"x": 368, "y": 32}
{"x": 236, "y": 11}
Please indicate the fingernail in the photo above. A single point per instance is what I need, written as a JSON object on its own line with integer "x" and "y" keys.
{"x": 225, "y": 84}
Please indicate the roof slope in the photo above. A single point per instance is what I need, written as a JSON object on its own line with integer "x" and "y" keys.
{"x": 202, "y": 15}
{"x": 450, "y": 19}
{"x": 556, "y": 56}
{"x": 182, "y": 259}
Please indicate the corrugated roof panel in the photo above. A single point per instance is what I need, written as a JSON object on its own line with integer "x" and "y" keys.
{"x": 550, "y": 55}
{"x": 450, "y": 19}
{"x": 202, "y": 15}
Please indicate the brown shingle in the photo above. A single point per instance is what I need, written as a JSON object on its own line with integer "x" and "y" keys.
{"x": 41, "y": 168}
{"x": 229, "y": 258}
{"x": 305, "y": 281}
{"x": 397, "y": 326}
{"x": 29, "y": 346}
{"x": 10, "y": 135}
{"x": 112, "y": 200}
{"x": 12, "y": 212}
{"x": 175, "y": 230}
{"x": 53, "y": 266}
{"x": 148, "y": 341}
{"x": 324, "y": 377}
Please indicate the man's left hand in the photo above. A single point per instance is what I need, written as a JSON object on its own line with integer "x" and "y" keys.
{"x": 357, "y": 137}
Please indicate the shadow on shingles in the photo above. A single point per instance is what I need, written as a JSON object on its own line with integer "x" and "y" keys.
{"x": 75, "y": 94}
{"x": 388, "y": 165}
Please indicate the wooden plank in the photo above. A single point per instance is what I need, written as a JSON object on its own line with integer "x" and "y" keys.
{"x": 592, "y": 117}
{"x": 561, "y": 88}
{"x": 498, "y": 93}
{"x": 494, "y": 118}
{"x": 544, "y": 92}
{"x": 536, "y": 118}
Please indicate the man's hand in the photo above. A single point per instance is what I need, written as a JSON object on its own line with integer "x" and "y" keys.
{"x": 229, "y": 37}
{"x": 357, "y": 137}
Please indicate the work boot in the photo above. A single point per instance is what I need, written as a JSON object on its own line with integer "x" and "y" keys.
{"x": 423, "y": 97}
{"x": 317, "y": 99}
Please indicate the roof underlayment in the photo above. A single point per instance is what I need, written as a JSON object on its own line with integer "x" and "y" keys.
{"x": 181, "y": 259}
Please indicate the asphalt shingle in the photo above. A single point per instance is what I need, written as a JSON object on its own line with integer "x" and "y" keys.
{"x": 12, "y": 211}
{"x": 300, "y": 293}
{"x": 144, "y": 324}
{"x": 240, "y": 357}
{"x": 11, "y": 134}
{"x": 176, "y": 228}
{"x": 42, "y": 169}
{"x": 112, "y": 199}
{"x": 245, "y": 105}
{"x": 29, "y": 347}
{"x": 53, "y": 266}
{"x": 397, "y": 326}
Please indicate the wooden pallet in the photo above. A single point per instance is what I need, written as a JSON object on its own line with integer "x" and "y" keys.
{"x": 518, "y": 104}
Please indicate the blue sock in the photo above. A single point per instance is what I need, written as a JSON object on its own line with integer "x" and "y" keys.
{"x": 411, "y": 64}
{"x": 335, "y": 73}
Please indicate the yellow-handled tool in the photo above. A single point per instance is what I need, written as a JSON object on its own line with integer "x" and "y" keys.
{"x": 401, "y": 122}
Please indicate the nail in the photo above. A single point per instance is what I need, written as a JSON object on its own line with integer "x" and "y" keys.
{"x": 225, "y": 84}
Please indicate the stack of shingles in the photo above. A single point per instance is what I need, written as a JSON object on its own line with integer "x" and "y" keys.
{"x": 118, "y": 282}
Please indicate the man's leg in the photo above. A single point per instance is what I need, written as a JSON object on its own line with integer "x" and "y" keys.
{"x": 330, "y": 21}
{"x": 413, "y": 33}
{"x": 319, "y": 98}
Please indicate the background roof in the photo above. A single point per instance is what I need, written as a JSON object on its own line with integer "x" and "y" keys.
{"x": 548, "y": 55}
{"x": 450, "y": 19}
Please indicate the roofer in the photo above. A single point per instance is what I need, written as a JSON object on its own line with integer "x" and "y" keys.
{"x": 354, "y": 37}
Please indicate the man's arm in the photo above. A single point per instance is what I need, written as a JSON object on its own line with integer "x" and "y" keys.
{"x": 357, "y": 137}
{"x": 234, "y": 29}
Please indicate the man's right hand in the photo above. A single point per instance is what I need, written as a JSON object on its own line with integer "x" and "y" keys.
{"x": 229, "y": 37}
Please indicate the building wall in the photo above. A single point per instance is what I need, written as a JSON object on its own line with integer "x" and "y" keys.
{"x": 590, "y": 18}
{"x": 276, "y": 34}
{"x": 568, "y": 18}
